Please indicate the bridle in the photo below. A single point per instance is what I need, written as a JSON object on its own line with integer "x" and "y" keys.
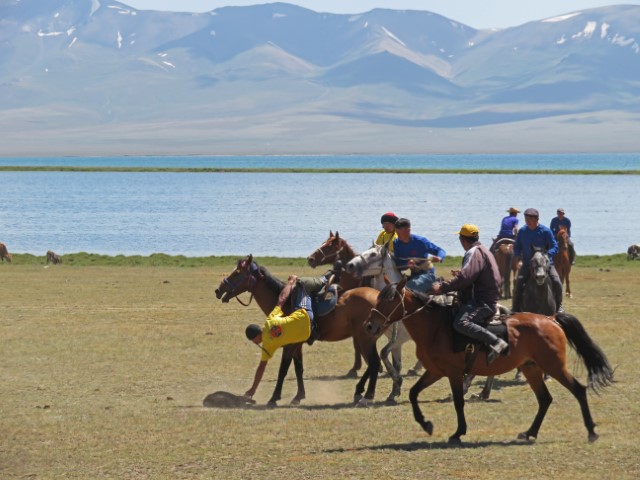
{"x": 332, "y": 256}
{"x": 387, "y": 318}
{"x": 252, "y": 277}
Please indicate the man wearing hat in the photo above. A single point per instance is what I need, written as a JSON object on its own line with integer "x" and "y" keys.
{"x": 562, "y": 221}
{"x": 412, "y": 251}
{"x": 280, "y": 329}
{"x": 534, "y": 235}
{"x": 478, "y": 286}
{"x": 388, "y": 233}
{"x": 508, "y": 227}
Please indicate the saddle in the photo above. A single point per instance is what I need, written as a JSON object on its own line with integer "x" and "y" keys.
{"x": 324, "y": 302}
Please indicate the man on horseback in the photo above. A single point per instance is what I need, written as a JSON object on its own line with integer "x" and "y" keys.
{"x": 280, "y": 329}
{"x": 535, "y": 235}
{"x": 388, "y": 233}
{"x": 409, "y": 251}
{"x": 478, "y": 286}
{"x": 562, "y": 221}
{"x": 508, "y": 228}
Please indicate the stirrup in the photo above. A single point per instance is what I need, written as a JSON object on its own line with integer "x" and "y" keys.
{"x": 495, "y": 350}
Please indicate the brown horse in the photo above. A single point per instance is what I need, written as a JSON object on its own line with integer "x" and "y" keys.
{"x": 561, "y": 260}
{"x": 537, "y": 344}
{"x": 4, "y": 253}
{"x": 503, "y": 252}
{"x": 53, "y": 257}
{"x": 345, "y": 321}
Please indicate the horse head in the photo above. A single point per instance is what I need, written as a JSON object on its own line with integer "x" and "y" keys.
{"x": 539, "y": 265}
{"x": 562, "y": 237}
{"x": 389, "y": 308}
{"x": 368, "y": 263}
{"x": 328, "y": 252}
{"x": 240, "y": 280}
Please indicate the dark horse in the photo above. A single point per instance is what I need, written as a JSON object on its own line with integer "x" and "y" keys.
{"x": 345, "y": 321}
{"x": 537, "y": 344}
{"x": 561, "y": 260}
{"x": 537, "y": 295}
{"x": 503, "y": 252}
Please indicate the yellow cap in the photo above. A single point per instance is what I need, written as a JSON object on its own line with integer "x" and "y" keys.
{"x": 468, "y": 230}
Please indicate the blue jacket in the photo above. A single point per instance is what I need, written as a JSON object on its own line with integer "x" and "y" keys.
{"x": 556, "y": 223}
{"x": 540, "y": 237}
{"x": 417, "y": 247}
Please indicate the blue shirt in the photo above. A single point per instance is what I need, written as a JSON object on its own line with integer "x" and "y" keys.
{"x": 540, "y": 237}
{"x": 417, "y": 247}
{"x": 507, "y": 226}
{"x": 556, "y": 223}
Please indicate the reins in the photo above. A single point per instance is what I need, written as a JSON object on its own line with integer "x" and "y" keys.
{"x": 387, "y": 318}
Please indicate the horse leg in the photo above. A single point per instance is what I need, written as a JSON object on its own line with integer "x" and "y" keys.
{"x": 373, "y": 368}
{"x": 423, "y": 382}
{"x": 285, "y": 363}
{"x": 534, "y": 376}
{"x": 568, "y": 286}
{"x": 357, "y": 396}
{"x": 458, "y": 402}
{"x": 414, "y": 371}
{"x": 394, "y": 368}
{"x": 299, "y": 369}
{"x": 485, "y": 393}
{"x": 357, "y": 363}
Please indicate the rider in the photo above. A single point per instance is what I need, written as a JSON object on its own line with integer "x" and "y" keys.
{"x": 478, "y": 286}
{"x": 280, "y": 329}
{"x": 508, "y": 227}
{"x": 409, "y": 247}
{"x": 561, "y": 221}
{"x": 534, "y": 235}
{"x": 388, "y": 233}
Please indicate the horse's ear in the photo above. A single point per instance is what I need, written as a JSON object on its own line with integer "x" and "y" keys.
{"x": 330, "y": 233}
{"x": 337, "y": 235}
{"x": 402, "y": 283}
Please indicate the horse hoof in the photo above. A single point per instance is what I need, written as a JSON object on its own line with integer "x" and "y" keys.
{"x": 455, "y": 441}
{"x": 295, "y": 401}
{"x": 362, "y": 403}
{"x": 478, "y": 397}
{"x": 351, "y": 374}
{"x": 412, "y": 373}
{"x": 428, "y": 427}
{"x": 593, "y": 437}
{"x": 272, "y": 404}
{"x": 526, "y": 437}
{"x": 391, "y": 400}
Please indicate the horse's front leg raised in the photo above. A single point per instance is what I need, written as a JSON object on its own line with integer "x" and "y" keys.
{"x": 457, "y": 391}
{"x": 427, "y": 378}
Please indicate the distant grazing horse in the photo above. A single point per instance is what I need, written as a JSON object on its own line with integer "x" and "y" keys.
{"x": 537, "y": 344}
{"x": 561, "y": 260}
{"x": 4, "y": 253}
{"x": 503, "y": 252}
{"x": 633, "y": 252}
{"x": 53, "y": 257}
{"x": 344, "y": 321}
{"x": 336, "y": 248}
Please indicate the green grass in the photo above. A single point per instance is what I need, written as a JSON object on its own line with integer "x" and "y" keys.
{"x": 19, "y": 168}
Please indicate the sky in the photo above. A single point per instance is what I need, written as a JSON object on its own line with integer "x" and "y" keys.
{"x": 474, "y": 13}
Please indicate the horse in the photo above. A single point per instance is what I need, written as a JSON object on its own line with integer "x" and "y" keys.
{"x": 336, "y": 248}
{"x": 633, "y": 252}
{"x": 344, "y": 321}
{"x": 537, "y": 295}
{"x": 53, "y": 257}
{"x": 537, "y": 344}
{"x": 4, "y": 253}
{"x": 561, "y": 260}
{"x": 503, "y": 253}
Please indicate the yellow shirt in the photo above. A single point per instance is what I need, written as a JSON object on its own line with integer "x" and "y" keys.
{"x": 279, "y": 330}
{"x": 384, "y": 237}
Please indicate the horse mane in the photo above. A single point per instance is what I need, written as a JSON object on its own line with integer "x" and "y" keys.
{"x": 273, "y": 283}
{"x": 388, "y": 292}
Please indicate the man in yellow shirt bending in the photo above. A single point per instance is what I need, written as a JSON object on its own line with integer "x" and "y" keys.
{"x": 280, "y": 329}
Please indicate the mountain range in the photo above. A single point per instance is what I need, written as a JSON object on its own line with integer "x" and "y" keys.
{"x": 93, "y": 77}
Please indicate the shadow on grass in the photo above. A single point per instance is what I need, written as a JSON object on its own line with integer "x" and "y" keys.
{"x": 414, "y": 446}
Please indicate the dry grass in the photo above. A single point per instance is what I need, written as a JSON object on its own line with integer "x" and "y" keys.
{"x": 103, "y": 371}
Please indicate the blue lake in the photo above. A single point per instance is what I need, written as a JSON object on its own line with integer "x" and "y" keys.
{"x": 200, "y": 214}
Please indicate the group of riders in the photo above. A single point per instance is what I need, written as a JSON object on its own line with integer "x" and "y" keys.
{"x": 477, "y": 282}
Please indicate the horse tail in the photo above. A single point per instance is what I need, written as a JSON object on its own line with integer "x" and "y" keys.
{"x": 598, "y": 367}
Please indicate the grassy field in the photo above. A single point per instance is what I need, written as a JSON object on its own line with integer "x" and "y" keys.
{"x": 103, "y": 369}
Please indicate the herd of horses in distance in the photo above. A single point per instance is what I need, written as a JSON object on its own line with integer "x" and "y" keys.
{"x": 537, "y": 340}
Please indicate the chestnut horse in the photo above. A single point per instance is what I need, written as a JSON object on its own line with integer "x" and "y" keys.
{"x": 537, "y": 344}
{"x": 503, "y": 253}
{"x": 4, "y": 253}
{"x": 344, "y": 321}
{"x": 561, "y": 260}
{"x": 336, "y": 248}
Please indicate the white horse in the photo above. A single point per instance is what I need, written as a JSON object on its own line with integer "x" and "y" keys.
{"x": 377, "y": 262}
